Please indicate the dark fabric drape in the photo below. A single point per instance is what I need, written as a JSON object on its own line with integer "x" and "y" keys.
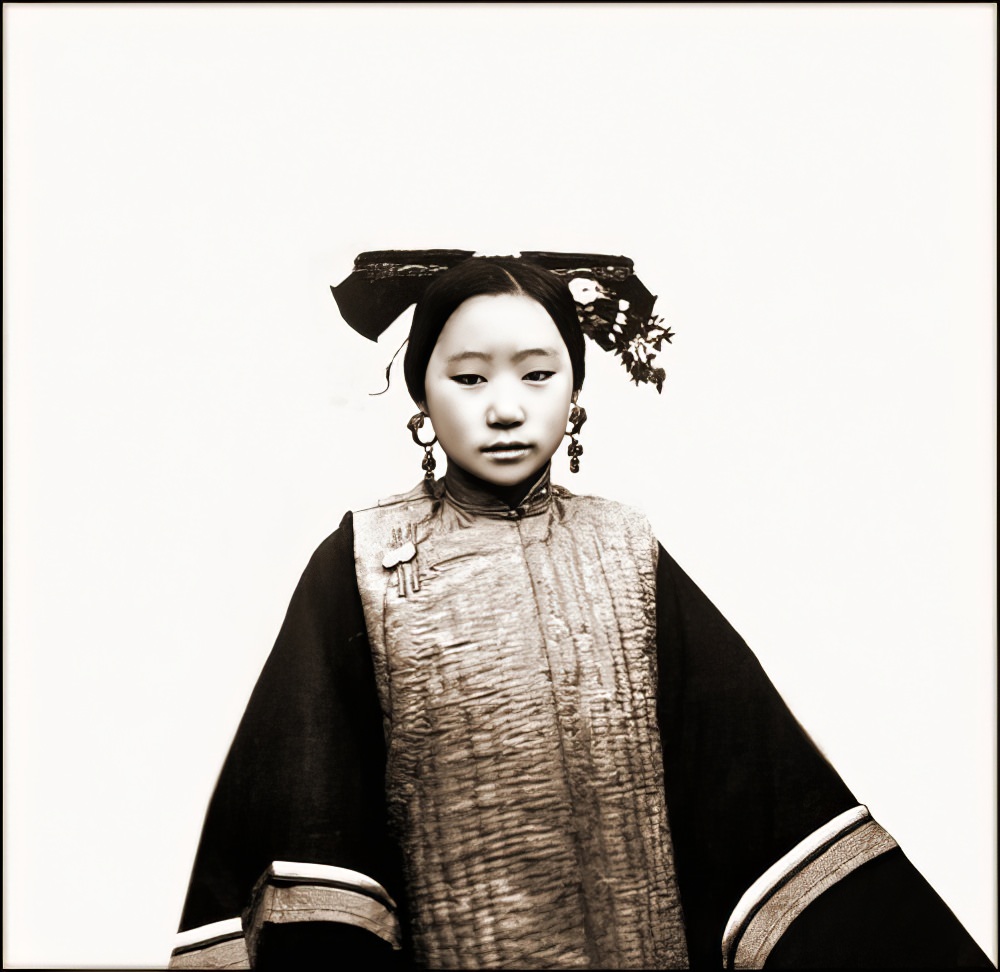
{"x": 304, "y": 781}
{"x": 745, "y": 784}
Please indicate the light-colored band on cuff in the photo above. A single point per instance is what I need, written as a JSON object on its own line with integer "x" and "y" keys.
{"x": 790, "y": 885}
{"x": 289, "y": 892}
{"x": 328, "y": 873}
{"x": 219, "y": 945}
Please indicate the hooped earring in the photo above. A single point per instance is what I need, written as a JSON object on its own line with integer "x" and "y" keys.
{"x": 577, "y": 416}
{"x": 429, "y": 462}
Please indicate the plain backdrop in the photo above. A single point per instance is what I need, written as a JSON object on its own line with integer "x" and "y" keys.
{"x": 808, "y": 190}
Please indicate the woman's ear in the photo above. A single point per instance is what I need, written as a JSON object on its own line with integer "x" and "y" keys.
{"x": 423, "y": 407}
{"x": 576, "y": 395}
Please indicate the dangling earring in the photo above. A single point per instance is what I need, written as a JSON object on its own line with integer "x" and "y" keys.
{"x": 429, "y": 463}
{"x": 577, "y": 416}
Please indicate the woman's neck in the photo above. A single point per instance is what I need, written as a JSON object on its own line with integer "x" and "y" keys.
{"x": 510, "y": 495}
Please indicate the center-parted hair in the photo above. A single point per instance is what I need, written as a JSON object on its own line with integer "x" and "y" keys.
{"x": 484, "y": 276}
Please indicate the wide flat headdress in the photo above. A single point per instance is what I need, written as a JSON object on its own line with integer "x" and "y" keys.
{"x": 614, "y": 307}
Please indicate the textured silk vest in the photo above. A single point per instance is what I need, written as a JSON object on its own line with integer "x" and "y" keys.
{"x": 515, "y": 659}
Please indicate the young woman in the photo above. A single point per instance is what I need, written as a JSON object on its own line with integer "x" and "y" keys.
{"x": 501, "y": 728}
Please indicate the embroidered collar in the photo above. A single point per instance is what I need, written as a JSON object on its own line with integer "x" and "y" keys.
{"x": 461, "y": 492}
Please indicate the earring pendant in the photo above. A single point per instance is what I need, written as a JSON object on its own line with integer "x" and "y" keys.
{"x": 429, "y": 463}
{"x": 577, "y": 416}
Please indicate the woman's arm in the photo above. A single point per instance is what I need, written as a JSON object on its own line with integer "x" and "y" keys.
{"x": 294, "y": 858}
{"x": 776, "y": 860}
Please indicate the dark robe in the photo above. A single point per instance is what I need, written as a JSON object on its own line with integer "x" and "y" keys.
{"x": 745, "y": 787}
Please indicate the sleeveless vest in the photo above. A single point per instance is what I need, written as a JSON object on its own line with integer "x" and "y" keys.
{"x": 515, "y": 656}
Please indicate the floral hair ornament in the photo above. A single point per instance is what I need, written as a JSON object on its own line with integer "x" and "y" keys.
{"x": 613, "y": 305}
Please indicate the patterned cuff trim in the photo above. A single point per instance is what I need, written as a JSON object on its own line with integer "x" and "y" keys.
{"x": 791, "y": 884}
{"x": 219, "y": 945}
{"x": 296, "y": 871}
{"x": 290, "y": 891}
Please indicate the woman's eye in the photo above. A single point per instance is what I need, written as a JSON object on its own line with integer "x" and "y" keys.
{"x": 538, "y": 375}
{"x": 468, "y": 379}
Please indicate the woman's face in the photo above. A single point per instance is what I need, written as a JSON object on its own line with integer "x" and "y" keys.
{"x": 499, "y": 386}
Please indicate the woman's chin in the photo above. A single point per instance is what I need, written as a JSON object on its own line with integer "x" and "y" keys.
{"x": 508, "y": 470}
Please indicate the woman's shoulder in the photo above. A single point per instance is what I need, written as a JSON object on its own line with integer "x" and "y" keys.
{"x": 336, "y": 550}
{"x": 340, "y": 543}
{"x": 600, "y": 505}
{"x": 422, "y": 492}
{"x": 609, "y": 517}
{"x": 336, "y": 553}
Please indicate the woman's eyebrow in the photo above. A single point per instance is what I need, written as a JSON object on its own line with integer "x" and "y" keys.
{"x": 466, "y": 355}
{"x": 516, "y": 358}
{"x": 535, "y": 352}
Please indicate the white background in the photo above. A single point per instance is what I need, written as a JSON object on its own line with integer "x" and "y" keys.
{"x": 809, "y": 190}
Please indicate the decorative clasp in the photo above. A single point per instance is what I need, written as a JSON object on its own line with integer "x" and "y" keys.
{"x": 402, "y": 558}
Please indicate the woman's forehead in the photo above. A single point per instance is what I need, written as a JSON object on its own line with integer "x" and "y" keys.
{"x": 499, "y": 326}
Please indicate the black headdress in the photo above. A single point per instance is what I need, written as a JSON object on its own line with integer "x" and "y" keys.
{"x": 614, "y": 307}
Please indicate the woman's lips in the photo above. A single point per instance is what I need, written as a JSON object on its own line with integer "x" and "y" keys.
{"x": 507, "y": 451}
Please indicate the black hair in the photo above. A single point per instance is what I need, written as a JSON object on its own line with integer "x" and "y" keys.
{"x": 479, "y": 276}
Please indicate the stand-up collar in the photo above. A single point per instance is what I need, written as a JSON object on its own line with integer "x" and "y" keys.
{"x": 469, "y": 496}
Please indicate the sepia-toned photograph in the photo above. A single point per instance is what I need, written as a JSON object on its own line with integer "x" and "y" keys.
{"x": 499, "y": 486}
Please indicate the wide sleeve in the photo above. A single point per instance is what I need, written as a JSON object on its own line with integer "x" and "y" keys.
{"x": 294, "y": 860}
{"x": 777, "y": 862}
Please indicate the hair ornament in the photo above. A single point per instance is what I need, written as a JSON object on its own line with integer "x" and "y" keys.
{"x": 614, "y": 307}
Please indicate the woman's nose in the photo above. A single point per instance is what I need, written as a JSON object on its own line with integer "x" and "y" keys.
{"x": 504, "y": 412}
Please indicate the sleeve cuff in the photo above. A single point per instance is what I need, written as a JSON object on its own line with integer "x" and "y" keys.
{"x": 291, "y": 891}
{"x": 220, "y": 945}
{"x": 792, "y": 883}
{"x": 287, "y": 892}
